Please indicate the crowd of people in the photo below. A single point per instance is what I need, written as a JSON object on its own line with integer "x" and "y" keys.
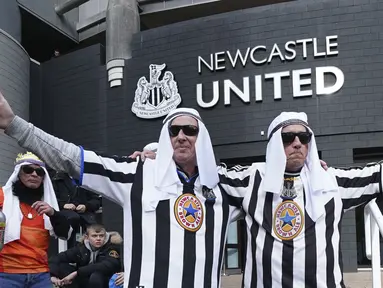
{"x": 177, "y": 207}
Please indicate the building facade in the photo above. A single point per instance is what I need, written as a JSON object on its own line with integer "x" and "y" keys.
{"x": 240, "y": 69}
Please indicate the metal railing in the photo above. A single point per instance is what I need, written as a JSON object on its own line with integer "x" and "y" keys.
{"x": 373, "y": 224}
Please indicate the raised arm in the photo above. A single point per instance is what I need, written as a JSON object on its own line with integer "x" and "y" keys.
{"x": 110, "y": 176}
{"x": 236, "y": 181}
{"x": 358, "y": 185}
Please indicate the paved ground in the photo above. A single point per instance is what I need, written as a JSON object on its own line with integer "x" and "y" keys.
{"x": 352, "y": 280}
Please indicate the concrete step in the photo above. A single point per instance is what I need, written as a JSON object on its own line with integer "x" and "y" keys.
{"x": 352, "y": 280}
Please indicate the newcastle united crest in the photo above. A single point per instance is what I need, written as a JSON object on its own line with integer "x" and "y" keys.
{"x": 157, "y": 97}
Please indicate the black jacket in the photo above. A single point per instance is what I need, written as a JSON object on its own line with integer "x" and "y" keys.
{"x": 67, "y": 192}
{"x": 107, "y": 261}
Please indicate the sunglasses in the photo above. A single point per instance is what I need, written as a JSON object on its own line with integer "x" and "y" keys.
{"x": 29, "y": 170}
{"x": 189, "y": 130}
{"x": 289, "y": 137}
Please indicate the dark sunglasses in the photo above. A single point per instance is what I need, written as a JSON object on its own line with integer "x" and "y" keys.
{"x": 289, "y": 137}
{"x": 189, "y": 130}
{"x": 29, "y": 170}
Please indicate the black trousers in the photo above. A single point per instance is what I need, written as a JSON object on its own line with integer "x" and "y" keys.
{"x": 76, "y": 220}
{"x": 95, "y": 280}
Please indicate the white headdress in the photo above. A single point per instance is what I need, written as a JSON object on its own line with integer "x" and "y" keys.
{"x": 11, "y": 206}
{"x": 166, "y": 178}
{"x": 315, "y": 179}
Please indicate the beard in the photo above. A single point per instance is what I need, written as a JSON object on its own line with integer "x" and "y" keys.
{"x": 27, "y": 195}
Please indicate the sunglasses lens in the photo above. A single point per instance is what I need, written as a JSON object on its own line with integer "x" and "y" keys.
{"x": 288, "y": 137}
{"x": 28, "y": 169}
{"x": 190, "y": 130}
{"x": 304, "y": 137}
{"x": 174, "y": 130}
{"x": 40, "y": 172}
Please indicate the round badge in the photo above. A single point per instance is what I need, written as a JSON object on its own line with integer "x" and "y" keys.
{"x": 188, "y": 212}
{"x": 288, "y": 220}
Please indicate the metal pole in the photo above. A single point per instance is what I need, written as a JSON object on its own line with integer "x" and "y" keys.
{"x": 67, "y": 6}
{"x": 375, "y": 259}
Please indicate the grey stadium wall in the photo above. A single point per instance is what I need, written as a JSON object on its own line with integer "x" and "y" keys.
{"x": 352, "y": 117}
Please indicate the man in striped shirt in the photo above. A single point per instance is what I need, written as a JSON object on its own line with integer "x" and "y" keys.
{"x": 175, "y": 215}
{"x": 294, "y": 209}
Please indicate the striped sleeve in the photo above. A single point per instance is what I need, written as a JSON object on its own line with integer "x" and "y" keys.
{"x": 235, "y": 182}
{"x": 110, "y": 176}
{"x": 358, "y": 185}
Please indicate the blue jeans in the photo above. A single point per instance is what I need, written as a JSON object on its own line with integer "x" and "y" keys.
{"x": 36, "y": 280}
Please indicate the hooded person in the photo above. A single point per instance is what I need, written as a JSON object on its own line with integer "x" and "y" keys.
{"x": 30, "y": 206}
{"x": 91, "y": 263}
{"x": 294, "y": 208}
{"x": 176, "y": 216}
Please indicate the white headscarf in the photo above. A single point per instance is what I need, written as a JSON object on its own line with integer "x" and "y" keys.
{"x": 11, "y": 205}
{"x": 166, "y": 178}
{"x": 316, "y": 180}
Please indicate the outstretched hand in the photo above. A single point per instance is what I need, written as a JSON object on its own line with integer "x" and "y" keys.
{"x": 144, "y": 154}
{"x": 324, "y": 165}
{"x": 6, "y": 113}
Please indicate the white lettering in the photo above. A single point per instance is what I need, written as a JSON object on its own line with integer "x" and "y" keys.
{"x": 320, "y": 83}
{"x": 277, "y": 82}
{"x": 258, "y": 88}
{"x": 243, "y": 95}
{"x": 238, "y": 54}
{"x": 275, "y": 52}
{"x": 290, "y": 50}
{"x": 217, "y": 61}
{"x": 215, "y": 99}
{"x": 329, "y": 45}
{"x": 304, "y": 46}
{"x": 316, "y": 53}
{"x": 298, "y": 83}
{"x": 210, "y": 67}
{"x": 253, "y": 52}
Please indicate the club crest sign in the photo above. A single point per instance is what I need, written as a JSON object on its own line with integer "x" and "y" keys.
{"x": 157, "y": 97}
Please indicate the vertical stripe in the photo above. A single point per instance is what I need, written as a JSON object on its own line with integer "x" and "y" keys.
{"x": 340, "y": 257}
{"x": 136, "y": 204}
{"x": 188, "y": 272}
{"x": 224, "y": 225}
{"x": 310, "y": 253}
{"x": 253, "y": 230}
{"x": 209, "y": 242}
{"x": 329, "y": 207}
{"x": 287, "y": 263}
{"x": 243, "y": 256}
{"x": 310, "y": 250}
{"x": 161, "y": 272}
{"x": 269, "y": 240}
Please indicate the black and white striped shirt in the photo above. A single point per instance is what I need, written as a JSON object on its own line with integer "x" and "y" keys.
{"x": 158, "y": 251}
{"x": 285, "y": 247}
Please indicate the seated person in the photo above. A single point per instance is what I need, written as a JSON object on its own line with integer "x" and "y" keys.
{"x": 117, "y": 280}
{"x": 77, "y": 204}
{"x": 96, "y": 259}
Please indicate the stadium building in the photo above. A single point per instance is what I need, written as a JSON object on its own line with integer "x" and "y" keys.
{"x": 103, "y": 75}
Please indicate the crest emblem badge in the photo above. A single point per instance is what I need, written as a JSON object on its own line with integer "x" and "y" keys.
{"x": 156, "y": 97}
{"x": 188, "y": 212}
{"x": 288, "y": 220}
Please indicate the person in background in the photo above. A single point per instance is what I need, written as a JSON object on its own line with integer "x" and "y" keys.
{"x": 77, "y": 204}
{"x": 97, "y": 258}
{"x": 32, "y": 216}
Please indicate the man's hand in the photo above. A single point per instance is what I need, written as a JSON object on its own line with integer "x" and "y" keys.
{"x": 144, "y": 155}
{"x": 69, "y": 206}
{"x": 69, "y": 279}
{"x": 6, "y": 113}
{"x": 56, "y": 281}
{"x": 81, "y": 208}
{"x": 43, "y": 208}
{"x": 324, "y": 165}
{"x": 120, "y": 279}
